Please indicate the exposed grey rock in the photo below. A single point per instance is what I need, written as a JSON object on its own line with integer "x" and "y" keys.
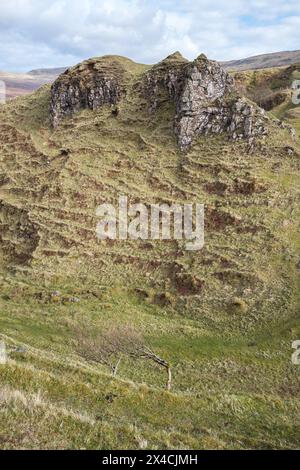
{"x": 3, "y": 353}
{"x": 19, "y": 349}
{"x": 74, "y": 300}
{"x": 290, "y": 151}
{"x": 89, "y": 85}
{"x": 164, "y": 81}
{"x": 205, "y": 98}
{"x": 55, "y": 293}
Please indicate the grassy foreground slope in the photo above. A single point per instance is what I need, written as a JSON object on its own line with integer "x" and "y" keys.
{"x": 225, "y": 317}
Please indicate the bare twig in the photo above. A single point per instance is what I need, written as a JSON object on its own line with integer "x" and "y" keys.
{"x": 108, "y": 347}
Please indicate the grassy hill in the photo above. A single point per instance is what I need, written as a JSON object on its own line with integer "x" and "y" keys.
{"x": 224, "y": 317}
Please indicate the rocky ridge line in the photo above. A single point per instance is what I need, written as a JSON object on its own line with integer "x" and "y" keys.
{"x": 204, "y": 94}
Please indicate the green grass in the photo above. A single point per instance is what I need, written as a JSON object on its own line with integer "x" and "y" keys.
{"x": 229, "y": 391}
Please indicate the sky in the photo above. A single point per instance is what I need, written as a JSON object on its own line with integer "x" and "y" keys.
{"x": 57, "y": 33}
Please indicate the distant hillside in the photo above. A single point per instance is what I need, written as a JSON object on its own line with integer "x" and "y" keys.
{"x": 263, "y": 61}
{"x": 18, "y": 84}
{"x": 47, "y": 72}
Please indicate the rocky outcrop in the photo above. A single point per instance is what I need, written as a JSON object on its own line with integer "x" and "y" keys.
{"x": 89, "y": 85}
{"x": 164, "y": 81}
{"x": 209, "y": 105}
{"x": 205, "y": 98}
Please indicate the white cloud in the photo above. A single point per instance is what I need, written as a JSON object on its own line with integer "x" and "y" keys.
{"x": 41, "y": 33}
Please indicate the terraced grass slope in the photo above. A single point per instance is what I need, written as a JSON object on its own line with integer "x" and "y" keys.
{"x": 225, "y": 317}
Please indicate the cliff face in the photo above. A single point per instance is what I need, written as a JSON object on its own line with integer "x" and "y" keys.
{"x": 204, "y": 95}
{"x": 90, "y": 84}
{"x": 207, "y": 104}
{"x": 205, "y": 99}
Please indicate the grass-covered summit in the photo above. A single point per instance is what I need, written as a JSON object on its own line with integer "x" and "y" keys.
{"x": 224, "y": 317}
